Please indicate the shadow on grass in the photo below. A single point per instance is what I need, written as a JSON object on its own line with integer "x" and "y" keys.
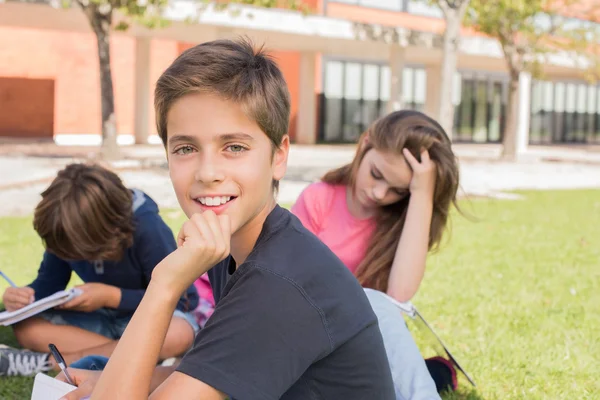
{"x": 462, "y": 394}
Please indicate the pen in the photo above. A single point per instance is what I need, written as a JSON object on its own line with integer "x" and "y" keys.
{"x": 8, "y": 279}
{"x": 60, "y": 361}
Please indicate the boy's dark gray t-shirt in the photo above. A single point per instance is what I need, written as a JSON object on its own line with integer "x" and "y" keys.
{"x": 291, "y": 322}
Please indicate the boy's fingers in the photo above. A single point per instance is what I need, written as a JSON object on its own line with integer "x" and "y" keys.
{"x": 18, "y": 296}
{"x": 188, "y": 230}
{"x": 73, "y": 303}
{"x": 215, "y": 226}
{"x": 200, "y": 221}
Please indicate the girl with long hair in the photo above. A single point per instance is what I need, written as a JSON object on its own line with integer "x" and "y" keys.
{"x": 381, "y": 214}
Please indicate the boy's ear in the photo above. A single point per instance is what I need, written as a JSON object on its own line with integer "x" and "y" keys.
{"x": 280, "y": 158}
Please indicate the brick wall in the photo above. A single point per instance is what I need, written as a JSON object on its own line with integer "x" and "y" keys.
{"x": 70, "y": 60}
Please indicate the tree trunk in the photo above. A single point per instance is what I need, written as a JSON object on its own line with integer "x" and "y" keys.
{"x": 509, "y": 140}
{"x": 101, "y": 24}
{"x": 449, "y": 58}
{"x": 453, "y": 15}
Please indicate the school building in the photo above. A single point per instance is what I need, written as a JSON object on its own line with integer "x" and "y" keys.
{"x": 346, "y": 63}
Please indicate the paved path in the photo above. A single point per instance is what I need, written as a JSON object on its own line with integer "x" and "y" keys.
{"x": 23, "y": 177}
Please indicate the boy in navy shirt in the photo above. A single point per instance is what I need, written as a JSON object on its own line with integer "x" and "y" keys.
{"x": 112, "y": 238}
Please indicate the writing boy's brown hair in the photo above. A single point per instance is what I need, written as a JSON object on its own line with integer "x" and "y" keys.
{"x": 85, "y": 214}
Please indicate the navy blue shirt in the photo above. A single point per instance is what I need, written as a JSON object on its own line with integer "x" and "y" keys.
{"x": 153, "y": 240}
{"x": 291, "y": 323}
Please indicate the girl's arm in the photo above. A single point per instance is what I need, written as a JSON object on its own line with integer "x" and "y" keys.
{"x": 408, "y": 266}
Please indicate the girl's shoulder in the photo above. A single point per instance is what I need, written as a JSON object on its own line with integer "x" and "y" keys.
{"x": 323, "y": 193}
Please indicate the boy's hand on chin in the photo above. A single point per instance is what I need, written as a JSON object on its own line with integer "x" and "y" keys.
{"x": 203, "y": 241}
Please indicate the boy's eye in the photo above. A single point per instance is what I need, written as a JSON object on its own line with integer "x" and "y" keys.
{"x": 184, "y": 150}
{"x": 236, "y": 148}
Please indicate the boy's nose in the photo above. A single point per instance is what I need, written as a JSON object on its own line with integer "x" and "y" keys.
{"x": 208, "y": 171}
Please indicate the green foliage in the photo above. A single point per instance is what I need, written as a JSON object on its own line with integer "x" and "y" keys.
{"x": 530, "y": 30}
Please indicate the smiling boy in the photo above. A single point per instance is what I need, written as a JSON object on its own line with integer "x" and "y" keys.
{"x": 291, "y": 321}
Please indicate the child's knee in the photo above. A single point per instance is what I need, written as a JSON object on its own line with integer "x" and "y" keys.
{"x": 179, "y": 338}
{"x": 26, "y": 332}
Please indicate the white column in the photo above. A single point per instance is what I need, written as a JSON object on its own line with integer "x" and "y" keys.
{"x": 142, "y": 90}
{"x": 432, "y": 97}
{"x": 396, "y": 62}
{"x": 522, "y": 138}
{"x": 306, "y": 119}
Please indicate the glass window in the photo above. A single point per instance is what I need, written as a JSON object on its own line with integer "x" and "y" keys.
{"x": 352, "y": 94}
{"x": 420, "y": 86}
{"x": 571, "y": 97}
{"x": 352, "y": 81}
{"x": 407, "y": 86}
{"x": 385, "y": 82}
{"x": 548, "y": 96}
{"x": 559, "y": 97}
{"x": 536, "y": 97}
{"x": 370, "y": 94}
{"x": 334, "y": 73}
{"x": 581, "y": 98}
{"x": 371, "y": 82}
{"x": 591, "y": 100}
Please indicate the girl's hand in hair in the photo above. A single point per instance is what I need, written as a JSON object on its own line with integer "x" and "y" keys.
{"x": 424, "y": 173}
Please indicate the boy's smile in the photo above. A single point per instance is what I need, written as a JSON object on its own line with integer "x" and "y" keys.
{"x": 220, "y": 160}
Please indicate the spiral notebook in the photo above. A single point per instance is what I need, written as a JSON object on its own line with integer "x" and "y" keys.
{"x": 58, "y": 298}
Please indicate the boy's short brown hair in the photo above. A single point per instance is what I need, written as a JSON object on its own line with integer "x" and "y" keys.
{"x": 235, "y": 71}
{"x": 85, "y": 214}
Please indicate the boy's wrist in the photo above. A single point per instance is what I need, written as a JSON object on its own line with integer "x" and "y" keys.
{"x": 113, "y": 297}
{"x": 158, "y": 290}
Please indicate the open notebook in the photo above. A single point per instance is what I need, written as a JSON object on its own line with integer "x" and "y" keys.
{"x": 47, "y": 388}
{"x": 58, "y": 298}
{"x": 440, "y": 348}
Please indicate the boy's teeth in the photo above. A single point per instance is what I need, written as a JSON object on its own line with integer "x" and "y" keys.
{"x": 214, "y": 201}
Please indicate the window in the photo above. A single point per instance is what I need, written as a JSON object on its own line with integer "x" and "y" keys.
{"x": 356, "y": 94}
{"x": 565, "y": 112}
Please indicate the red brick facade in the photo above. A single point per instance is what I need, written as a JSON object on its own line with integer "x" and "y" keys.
{"x": 69, "y": 100}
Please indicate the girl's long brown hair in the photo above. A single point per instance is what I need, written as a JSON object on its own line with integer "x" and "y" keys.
{"x": 415, "y": 131}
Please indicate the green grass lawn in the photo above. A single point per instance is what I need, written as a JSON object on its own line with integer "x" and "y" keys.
{"x": 514, "y": 293}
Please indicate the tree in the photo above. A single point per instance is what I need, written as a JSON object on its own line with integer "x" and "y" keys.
{"x": 528, "y": 32}
{"x": 101, "y": 16}
{"x": 454, "y": 13}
